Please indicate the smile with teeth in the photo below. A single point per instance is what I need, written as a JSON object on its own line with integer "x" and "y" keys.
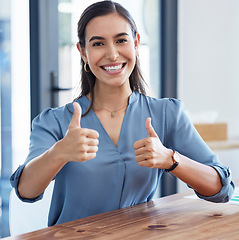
{"x": 113, "y": 67}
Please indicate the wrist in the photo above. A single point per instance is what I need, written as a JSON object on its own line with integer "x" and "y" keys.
{"x": 57, "y": 153}
{"x": 175, "y": 163}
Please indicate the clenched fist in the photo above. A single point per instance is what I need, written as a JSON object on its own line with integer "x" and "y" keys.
{"x": 150, "y": 152}
{"x": 79, "y": 144}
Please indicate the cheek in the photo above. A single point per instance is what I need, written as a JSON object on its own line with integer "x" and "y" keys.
{"x": 131, "y": 52}
{"x": 132, "y": 58}
{"x": 94, "y": 58}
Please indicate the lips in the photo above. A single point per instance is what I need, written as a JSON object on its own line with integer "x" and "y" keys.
{"x": 113, "y": 68}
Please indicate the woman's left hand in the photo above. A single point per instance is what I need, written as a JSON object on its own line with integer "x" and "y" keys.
{"x": 150, "y": 151}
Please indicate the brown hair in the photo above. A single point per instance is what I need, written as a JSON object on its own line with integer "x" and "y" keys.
{"x": 88, "y": 78}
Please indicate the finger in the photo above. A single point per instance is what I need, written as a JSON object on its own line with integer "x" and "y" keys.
{"x": 150, "y": 163}
{"x": 140, "y": 143}
{"x": 92, "y": 142}
{"x": 140, "y": 151}
{"x": 143, "y": 157}
{"x": 89, "y": 133}
{"x": 76, "y": 118}
{"x": 150, "y": 128}
{"x": 92, "y": 149}
{"x": 88, "y": 156}
{"x": 140, "y": 158}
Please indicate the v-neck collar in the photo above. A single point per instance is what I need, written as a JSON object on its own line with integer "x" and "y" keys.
{"x": 132, "y": 98}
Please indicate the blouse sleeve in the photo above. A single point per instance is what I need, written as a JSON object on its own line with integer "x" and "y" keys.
{"x": 45, "y": 133}
{"x": 184, "y": 138}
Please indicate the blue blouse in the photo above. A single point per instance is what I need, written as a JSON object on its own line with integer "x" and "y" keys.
{"x": 113, "y": 179}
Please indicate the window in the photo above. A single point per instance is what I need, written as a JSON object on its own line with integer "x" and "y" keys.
{"x": 14, "y": 107}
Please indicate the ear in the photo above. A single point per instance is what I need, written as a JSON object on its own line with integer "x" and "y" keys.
{"x": 82, "y": 52}
{"x": 137, "y": 41}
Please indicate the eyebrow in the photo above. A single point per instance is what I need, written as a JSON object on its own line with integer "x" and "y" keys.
{"x": 101, "y": 38}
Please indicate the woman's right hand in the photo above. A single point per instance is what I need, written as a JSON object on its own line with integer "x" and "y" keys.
{"x": 79, "y": 144}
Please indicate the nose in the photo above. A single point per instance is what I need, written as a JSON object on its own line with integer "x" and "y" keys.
{"x": 112, "y": 53}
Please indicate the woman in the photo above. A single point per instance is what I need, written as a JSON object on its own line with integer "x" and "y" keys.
{"x": 111, "y": 156}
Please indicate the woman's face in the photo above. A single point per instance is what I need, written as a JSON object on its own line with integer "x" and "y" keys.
{"x": 110, "y": 49}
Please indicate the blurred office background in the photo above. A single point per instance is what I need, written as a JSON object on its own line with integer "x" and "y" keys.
{"x": 189, "y": 50}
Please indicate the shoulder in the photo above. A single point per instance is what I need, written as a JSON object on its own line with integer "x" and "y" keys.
{"x": 174, "y": 105}
{"x": 59, "y": 117}
{"x": 166, "y": 104}
{"x": 49, "y": 114}
{"x": 139, "y": 96}
{"x": 52, "y": 119}
{"x": 60, "y": 113}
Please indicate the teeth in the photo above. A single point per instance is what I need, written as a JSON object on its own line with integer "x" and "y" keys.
{"x": 113, "y": 68}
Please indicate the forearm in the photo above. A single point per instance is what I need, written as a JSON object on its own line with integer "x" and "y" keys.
{"x": 202, "y": 178}
{"x": 39, "y": 172}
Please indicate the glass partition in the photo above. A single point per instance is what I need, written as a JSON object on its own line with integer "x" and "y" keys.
{"x": 15, "y": 96}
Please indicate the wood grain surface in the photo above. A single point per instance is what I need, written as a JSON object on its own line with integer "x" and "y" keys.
{"x": 173, "y": 217}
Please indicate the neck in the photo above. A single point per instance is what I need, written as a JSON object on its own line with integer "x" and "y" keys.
{"x": 111, "y": 98}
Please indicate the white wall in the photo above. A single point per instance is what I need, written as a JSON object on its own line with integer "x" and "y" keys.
{"x": 208, "y": 65}
{"x": 208, "y": 61}
{"x": 20, "y": 69}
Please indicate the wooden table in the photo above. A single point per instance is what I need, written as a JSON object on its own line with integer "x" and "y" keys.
{"x": 173, "y": 217}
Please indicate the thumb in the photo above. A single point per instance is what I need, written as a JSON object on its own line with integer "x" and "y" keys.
{"x": 149, "y": 128}
{"x": 75, "y": 121}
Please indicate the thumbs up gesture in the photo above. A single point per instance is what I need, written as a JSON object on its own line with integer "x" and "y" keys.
{"x": 150, "y": 152}
{"x": 79, "y": 144}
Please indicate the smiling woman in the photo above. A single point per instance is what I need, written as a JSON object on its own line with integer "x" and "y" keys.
{"x": 109, "y": 147}
{"x": 68, "y": 17}
{"x": 110, "y": 51}
{"x": 108, "y": 40}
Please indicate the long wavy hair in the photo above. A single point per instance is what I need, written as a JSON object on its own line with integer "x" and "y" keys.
{"x": 88, "y": 78}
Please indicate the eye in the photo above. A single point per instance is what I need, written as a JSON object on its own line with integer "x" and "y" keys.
{"x": 97, "y": 44}
{"x": 122, "y": 40}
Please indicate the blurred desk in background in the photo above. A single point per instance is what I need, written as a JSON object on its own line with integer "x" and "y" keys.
{"x": 228, "y": 144}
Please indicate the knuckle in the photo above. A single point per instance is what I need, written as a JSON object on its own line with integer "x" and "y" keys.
{"x": 82, "y": 147}
{"x": 82, "y": 140}
{"x": 150, "y": 154}
{"x": 148, "y": 140}
{"x": 152, "y": 163}
{"x": 150, "y": 149}
{"x": 82, "y": 130}
{"x": 83, "y": 156}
